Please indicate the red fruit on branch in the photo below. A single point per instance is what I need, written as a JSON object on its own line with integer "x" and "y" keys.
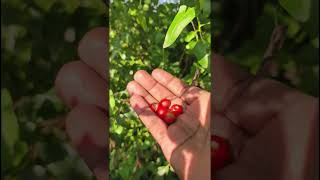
{"x": 165, "y": 103}
{"x": 176, "y": 109}
{"x": 220, "y": 152}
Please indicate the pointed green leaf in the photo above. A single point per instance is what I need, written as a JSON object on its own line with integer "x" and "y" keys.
{"x": 191, "y": 45}
{"x": 299, "y": 9}
{"x": 190, "y": 36}
{"x": 181, "y": 20}
{"x": 204, "y": 61}
{"x": 112, "y": 101}
{"x": 9, "y": 123}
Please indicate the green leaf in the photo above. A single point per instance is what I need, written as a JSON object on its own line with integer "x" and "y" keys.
{"x": 184, "y": 16}
{"x": 112, "y": 101}
{"x": 162, "y": 170}
{"x": 191, "y": 45}
{"x": 205, "y": 6}
{"x": 190, "y": 36}
{"x": 97, "y": 5}
{"x": 71, "y": 5}
{"x": 299, "y": 9}
{"x": 70, "y": 168}
{"x": 21, "y": 149}
{"x": 119, "y": 129}
{"x": 143, "y": 22}
{"x": 203, "y": 62}
{"x": 9, "y": 123}
{"x": 44, "y": 5}
{"x": 315, "y": 42}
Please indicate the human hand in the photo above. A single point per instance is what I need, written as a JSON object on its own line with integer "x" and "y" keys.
{"x": 82, "y": 85}
{"x": 185, "y": 143}
{"x": 271, "y": 128}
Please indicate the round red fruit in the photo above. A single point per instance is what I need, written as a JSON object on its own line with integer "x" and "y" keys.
{"x": 169, "y": 118}
{"x": 162, "y": 112}
{"x": 165, "y": 103}
{"x": 176, "y": 109}
{"x": 220, "y": 152}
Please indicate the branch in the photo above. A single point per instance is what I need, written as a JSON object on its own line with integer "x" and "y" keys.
{"x": 195, "y": 78}
{"x": 275, "y": 44}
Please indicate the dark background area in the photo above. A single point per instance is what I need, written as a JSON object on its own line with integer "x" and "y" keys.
{"x": 37, "y": 38}
{"x": 242, "y": 31}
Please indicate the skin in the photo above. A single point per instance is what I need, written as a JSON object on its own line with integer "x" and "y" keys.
{"x": 185, "y": 143}
{"x": 272, "y": 128}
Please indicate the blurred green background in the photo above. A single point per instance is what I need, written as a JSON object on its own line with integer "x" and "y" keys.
{"x": 37, "y": 38}
{"x": 242, "y": 30}
{"x": 137, "y": 34}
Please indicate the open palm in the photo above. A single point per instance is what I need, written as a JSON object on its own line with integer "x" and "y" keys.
{"x": 272, "y": 128}
{"x": 185, "y": 143}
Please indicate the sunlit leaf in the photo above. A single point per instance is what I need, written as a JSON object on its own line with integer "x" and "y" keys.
{"x": 203, "y": 62}
{"x": 190, "y": 36}
{"x": 112, "y": 101}
{"x": 184, "y": 16}
{"x": 299, "y": 9}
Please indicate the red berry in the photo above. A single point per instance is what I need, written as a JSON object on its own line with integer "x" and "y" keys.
{"x": 220, "y": 152}
{"x": 161, "y": 112}
{"x": 165, "y": 103}
{"x": 169, "y": 118}
{"x": 176, "y": 109}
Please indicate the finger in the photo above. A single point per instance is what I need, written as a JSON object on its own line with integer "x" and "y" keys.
{"x": 158, "y": 91}
{"x": 168, "y": 138}
{"x": 226, "y": 76}
{"x": 253, "y": 107}
{"x": 76, "y": 83}
{"x": 175, "y": 85}
{"x": 135, "y": 88}
{"x": 223, "y": 127}
{"x": 153, "y": 123}
{"x": 93, "y": 50}
{"x": 86, "y": 126}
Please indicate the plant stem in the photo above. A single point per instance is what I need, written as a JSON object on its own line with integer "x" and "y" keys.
{"x": 199, "y": 28}
{"x": 194, "y": 29}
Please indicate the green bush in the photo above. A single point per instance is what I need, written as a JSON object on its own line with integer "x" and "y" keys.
{"x": 37, "y": 38}
{"x": 147, "y": 35}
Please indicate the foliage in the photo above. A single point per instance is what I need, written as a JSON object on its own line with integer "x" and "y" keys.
{"x": 147, "y": 35}
{"x": 242, "y": 32}
{"x": 37, "y": 38}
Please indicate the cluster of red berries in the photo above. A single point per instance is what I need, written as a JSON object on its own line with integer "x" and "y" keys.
{"x": 220, "y": 152}
{"x": 166, "y": 112}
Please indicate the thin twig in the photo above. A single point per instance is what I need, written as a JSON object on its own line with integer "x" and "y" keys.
{"x": 199, "y": 28}
{"x": 275, "y": 44}
{"x": 194, "y": 29}
{"x": 195, "y": 78}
